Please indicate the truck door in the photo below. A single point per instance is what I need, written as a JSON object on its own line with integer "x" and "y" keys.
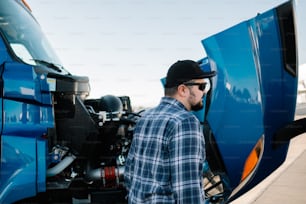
{"x": 26, "y": 117}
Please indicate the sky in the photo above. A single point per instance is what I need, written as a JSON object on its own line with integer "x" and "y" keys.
{"x": 126, "y": 47}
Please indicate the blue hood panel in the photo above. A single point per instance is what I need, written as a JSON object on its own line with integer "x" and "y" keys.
{"x": 254, "y": 92}
{"x": 235, "y": 114}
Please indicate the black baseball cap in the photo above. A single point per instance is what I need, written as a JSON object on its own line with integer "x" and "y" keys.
{"x": 185, "y": 70}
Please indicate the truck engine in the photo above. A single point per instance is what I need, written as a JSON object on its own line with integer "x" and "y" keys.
{"x": 89, "y": 146}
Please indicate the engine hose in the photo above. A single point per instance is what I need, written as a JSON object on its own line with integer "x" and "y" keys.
{"x": 106, "y": 174}
{"x": 60, "y": 166}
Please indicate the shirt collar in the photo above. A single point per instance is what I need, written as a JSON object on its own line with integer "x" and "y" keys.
{"x": 173, "y": 101}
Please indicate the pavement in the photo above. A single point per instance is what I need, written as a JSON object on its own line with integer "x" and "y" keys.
{"x": 288, "y": 183}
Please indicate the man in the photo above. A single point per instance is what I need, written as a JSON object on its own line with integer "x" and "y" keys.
{"x": 164, "y": 164}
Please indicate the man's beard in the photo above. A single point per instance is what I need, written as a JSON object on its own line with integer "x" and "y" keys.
{"x": 197, "y": 106}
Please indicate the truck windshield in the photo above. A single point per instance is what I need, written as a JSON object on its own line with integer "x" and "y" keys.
{"x": 24, "y": 34}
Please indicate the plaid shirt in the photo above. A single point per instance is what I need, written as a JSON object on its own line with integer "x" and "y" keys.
{"x": 165, "y": 160}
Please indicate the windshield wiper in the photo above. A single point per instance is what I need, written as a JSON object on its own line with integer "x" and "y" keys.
{"x": 49, "y": 64}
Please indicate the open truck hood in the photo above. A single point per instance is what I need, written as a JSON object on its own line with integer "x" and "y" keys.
{"x": 253, "y": 97}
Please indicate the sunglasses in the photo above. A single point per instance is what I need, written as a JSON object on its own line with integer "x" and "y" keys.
{"x": 202, "y": 86}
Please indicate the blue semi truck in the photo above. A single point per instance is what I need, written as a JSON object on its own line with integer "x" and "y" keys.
{"x": 59, "y": 146}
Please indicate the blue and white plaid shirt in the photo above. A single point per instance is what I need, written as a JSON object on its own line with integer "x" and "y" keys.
{"x": 165, "y": 160}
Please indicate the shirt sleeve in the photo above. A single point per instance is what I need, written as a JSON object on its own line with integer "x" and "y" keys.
{"x": 129, "y": 164}
{"x": 187, "y": 154}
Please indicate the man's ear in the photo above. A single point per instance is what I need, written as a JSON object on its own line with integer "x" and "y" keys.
{"x": 182, "y": 90}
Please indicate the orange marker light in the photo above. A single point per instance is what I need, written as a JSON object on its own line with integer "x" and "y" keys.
{"x": 252, "y": 159}
{"x": 26, "y": 5}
